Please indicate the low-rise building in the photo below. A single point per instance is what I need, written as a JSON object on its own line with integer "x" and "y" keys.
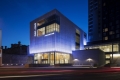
{"x": 17, "y": 54}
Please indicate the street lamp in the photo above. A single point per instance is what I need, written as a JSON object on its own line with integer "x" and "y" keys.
{"x": 76, "y": 61}
{"x": 90, "y": 60}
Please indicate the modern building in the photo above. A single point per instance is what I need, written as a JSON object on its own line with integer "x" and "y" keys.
{"x": 53, "y": 37}
{"x": 104, "y": 28}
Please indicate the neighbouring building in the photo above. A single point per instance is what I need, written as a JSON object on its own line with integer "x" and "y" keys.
{"x": 53, "y": 37}
{"x": 16, "y": 48}
{"x": 17, "y": 54}
{"x": 104, "y": 28}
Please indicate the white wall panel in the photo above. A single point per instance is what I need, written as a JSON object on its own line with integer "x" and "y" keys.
{"x": 63, "y": 41}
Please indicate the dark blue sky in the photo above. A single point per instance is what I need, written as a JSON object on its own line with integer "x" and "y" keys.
{"x": 15, "y": 16}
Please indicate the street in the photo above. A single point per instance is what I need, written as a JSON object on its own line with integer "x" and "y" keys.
{"x": 100, "y": 76}
{"x": 59, "y": 74}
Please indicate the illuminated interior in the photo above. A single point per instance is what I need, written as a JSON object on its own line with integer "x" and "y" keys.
{"x": 77, "y": 39}
{"x": 52, "y": 27}
{"x": 48, "y": 29}
{"x": 107, "y": 61}
{"x": 105, "y": 48}
{"x": 115, "y": 55}
{"x": 115, "y": 48}
{"x": 107, "y": 56}
{"x": 77, "y": 31}
{"x": 40, "y": 22}
{"x": 41, "y": 31}
{"x": 49, "y": 58}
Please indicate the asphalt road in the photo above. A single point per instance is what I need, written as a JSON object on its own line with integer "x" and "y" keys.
{"x": 59, "y": 74}
{"x": 95, "y": 76}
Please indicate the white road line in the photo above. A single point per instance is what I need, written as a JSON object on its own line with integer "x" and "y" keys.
{"x": 28, "y": 76}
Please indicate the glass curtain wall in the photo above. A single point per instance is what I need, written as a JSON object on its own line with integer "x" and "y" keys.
{"x": 115, "y": 48}
{"x": 48, "y": 58}
{"x": 52, "y": 27}
{"x": 105, "y": 48}
{"x": 49, "y": 29}
{"x": 62, "y": 58}
{"x": 41, "y": 31}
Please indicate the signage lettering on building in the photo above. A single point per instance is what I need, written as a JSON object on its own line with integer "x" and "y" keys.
{"x": 34, "y": 29}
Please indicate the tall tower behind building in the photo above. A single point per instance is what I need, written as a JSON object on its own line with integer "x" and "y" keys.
{"x": 104, "y": 20}
{"x": 104, "y": 28}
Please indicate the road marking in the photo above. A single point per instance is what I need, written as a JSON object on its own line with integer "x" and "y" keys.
{"x": 28, "y": 76}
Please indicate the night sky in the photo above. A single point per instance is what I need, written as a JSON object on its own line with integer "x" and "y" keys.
{"x": 15, "y": 16}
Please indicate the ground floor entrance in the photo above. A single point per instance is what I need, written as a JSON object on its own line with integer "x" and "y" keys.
{"x": 52, "y": 58}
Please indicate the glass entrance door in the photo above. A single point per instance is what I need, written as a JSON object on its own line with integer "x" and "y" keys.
{"x": 51, "y": 58}
{"x": 36, "y": 62}
{"x": 44, "y": 61}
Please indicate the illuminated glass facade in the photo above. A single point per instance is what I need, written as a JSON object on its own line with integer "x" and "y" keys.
{"x": 109, "y": 49}
{"x": 53, "y": 37}
{"x": 52, "y": 58}
{"x": 105, "y": 47}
